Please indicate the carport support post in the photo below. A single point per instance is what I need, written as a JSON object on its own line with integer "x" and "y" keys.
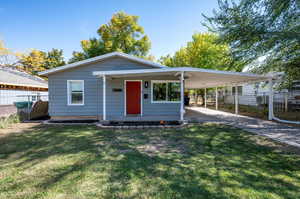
{"x": 236, "y": 101}
{"x": 271, "y": 114}
{"x": 205, "y": 98}
{"x": 216, "y": 98}
{"x": 181, "y": 96}
{"x": 104, "y": 97}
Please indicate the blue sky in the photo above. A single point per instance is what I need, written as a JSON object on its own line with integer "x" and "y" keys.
{"x": 62, "y": 24}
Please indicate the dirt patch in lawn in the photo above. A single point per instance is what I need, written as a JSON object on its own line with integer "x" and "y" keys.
{"x": 16, "y": 128}
{"x": 156, "y": 146}
{"x": 277, "y": 146}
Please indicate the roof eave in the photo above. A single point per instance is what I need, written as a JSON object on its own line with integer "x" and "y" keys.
{"x": 25, "y": 85}
{"x": 99, "y": 58}
{"x": 178, "y": 69}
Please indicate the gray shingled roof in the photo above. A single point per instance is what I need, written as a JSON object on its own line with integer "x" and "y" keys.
{"x": 18, "y": 78}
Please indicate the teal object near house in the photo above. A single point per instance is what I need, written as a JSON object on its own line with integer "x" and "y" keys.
{"x": 23, "y": 104}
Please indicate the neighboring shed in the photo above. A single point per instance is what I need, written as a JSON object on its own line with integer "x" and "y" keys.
{"x": 247, "y": 94}
{"x": 16, "y": 85}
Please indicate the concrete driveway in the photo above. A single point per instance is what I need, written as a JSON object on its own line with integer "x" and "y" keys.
{"x": 276, "y": 131}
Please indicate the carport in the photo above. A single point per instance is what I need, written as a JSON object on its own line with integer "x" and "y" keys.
{"x": 193, "y": 78}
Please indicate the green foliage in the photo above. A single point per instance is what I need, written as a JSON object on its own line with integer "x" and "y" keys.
{"x": 6, "y": 121}
{"x": 37, "y": 60}
{"x": 204, "y": 52}
{"x": 122, "y": 33}
{"x": 261, "y": 28}
{"x": 54, "y": 58}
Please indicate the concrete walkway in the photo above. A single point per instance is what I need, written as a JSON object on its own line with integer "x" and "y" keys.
{"x": 280, "y": 132}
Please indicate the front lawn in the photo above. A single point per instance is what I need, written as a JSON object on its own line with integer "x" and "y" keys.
{"x": 201, "y": 161}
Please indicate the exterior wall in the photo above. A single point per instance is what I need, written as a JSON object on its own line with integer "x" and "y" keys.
{"x": 247, "y": 98}
{"x": 249, "y": 95}
{"x": 8, "y": 97}
{"x": 93, "y": 91}
{"x": 244, "y": 100}
{"x": 116, "y": 100}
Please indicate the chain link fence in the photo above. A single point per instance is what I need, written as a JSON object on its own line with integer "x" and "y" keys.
{"x": 286, "y": 105}
{"x": 22, "y": 104}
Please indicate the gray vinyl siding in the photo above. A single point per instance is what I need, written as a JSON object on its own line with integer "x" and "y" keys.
{"x": 248, "y": 96}
{"x": 58, "y": 103}
{"x": 116, "y": 102}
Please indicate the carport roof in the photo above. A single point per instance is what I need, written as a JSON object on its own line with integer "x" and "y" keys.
{"x": 194, "y": 77}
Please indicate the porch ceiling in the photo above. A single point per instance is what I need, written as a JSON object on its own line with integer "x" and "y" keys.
{"x": 194, "y": 77}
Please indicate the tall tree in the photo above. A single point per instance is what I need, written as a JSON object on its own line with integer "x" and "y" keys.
{"x": 37, "y": 60}
{"x": 261, "y": 28}
{"x": 34, "y": 61}
{"x": 122, "y": 33}
{"x": 204, "y": 52}
{"x": 54, "y": 58}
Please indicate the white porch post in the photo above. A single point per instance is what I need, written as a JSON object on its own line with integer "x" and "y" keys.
{"x": 236, "y": 101}
{"x": 181, "y": 96}
{"x": 271, "y": 114}
{"x": 205, "y": 98}
{"x": 217, "y": 98}
{"x": 104, "y": 97}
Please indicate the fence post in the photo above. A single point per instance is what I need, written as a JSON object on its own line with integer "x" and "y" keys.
{"x": 217, "y": 98}
{"x": 236, "y": 100}
{"x": 205, "y": 98}
{"x": 271, "y": 114}
{"x": 286, "y": 102}
{"x": 28, "y": 108}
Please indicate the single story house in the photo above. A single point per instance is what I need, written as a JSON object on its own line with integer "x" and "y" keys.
{"x": 121, "y": 87}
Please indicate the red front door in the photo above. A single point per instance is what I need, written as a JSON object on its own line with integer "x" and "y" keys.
{"x": 133, "y": 97}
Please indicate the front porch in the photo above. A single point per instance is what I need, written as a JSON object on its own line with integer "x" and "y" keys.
{"x": 189, "y": 78}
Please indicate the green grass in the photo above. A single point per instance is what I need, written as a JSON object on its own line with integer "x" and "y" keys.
{"x": 201, "y": 161}
{"x": 6, "y": 121}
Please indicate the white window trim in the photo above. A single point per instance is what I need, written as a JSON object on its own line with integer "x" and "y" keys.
{"x": 239, "y": 94}
{"x": 69, "y": 93}
{"x": 163, "y": 102}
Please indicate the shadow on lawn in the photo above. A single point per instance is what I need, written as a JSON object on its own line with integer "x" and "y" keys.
{"x": 196, "y": 162}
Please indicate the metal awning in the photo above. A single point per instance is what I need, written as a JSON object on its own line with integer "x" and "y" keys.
{"x": 194, "y": 77}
